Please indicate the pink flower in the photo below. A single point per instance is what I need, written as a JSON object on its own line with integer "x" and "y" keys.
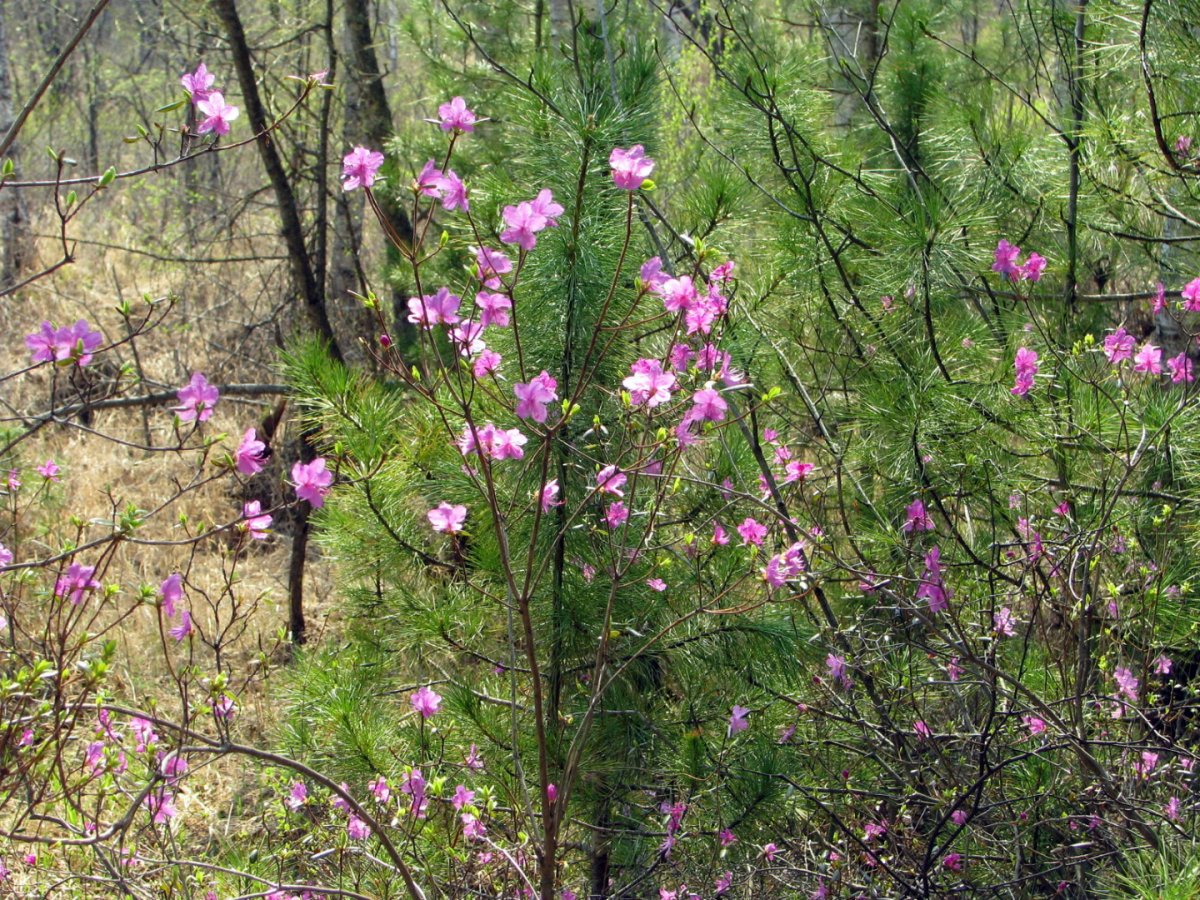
{"x": 916, "y": 519}
{"x": 426, "y": 702}
{"x": 462, "y": 797}
{"x": 1006, "y": 260}
{"x": 49, "y": 470}
{"x": 1172, "y": 809}
{"x": 254, "y": 521}
{"x": 357, "y": 829}
{"x": 959, "y": 817}
{"x": 953, "y": 670}
{"x": 199, "y": 83}
{"x": 931, "y": 587}
{"x": 1146, "y": 765}
{"x": 548, "y": 496}
{"x": 752, "y": 532}
{"x": 196, "y": 399}
{"x": 473, "y": 829}
{"x": 616, "y": 515}
{"x": 428, "y": 182}
{"x": 171, "y": 592}
{"x": 456, "y": 117}
{"x": 1181, "y": 369}
{"x": 360, "y": 167}
{"x": 493, "y": 309}
{"x": 453, "y": 192}
{"x": 1127, "y": 684}
{"x": 723, "y": 884}
{"x": 217, "y": 114}
{"x": 707, "y": 404}
{"x": 251, "y": 453}
{"x": 953, "y": 862}
{"x": 1160, "y": 297}
{"x": 76, "y": 582}
{"x": 534, "y": 396}
{"x": 719, "y": 538}
{"x": 491, "y": 264}
{"x": 738, "y": 720}
{"x": 630, "y": 167}
{"x": 184, "y": 628}
{"x": 529, "y": 217}
{"x": 447, "y": 519}
{"x": 921, "y": 729}
{"x": 610, "y": 480}
{"x": 6, "y": 556}
{"x": 552, "y": 793}
{"x": 678, "y": 293}
{"x": 649, "y": 384}
{"x": 838, "y": 672}
{"x": 769, "y": 852}
{"x": 1162, "y": 664}
{"x": 1119, "y": 346}
{"x": 486, "y": 364}
{"x": 436, "y": 309}
{"x": 656, "y": 584}
{"x": 492, "y": 442}
{"x": 297, "y": 796}
{"x": 1034, "y": 724}
{"x": 1026, "y": 366}
{"x": 874, "y": 830}
{"x": 1032, "y": 270}
{"x": 797, "y": 471}
{"x": 380, "y": 789}
{"x": 1191, "y": 295}
{"x": 161, "y": 805}
{"x": 312, "y": 481}
{"x": 1148, "y": 360}
{"x": 1002, "y": 622}
{"x": 468, "y": 337}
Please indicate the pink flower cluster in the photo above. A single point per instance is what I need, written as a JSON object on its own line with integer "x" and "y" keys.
{"x": 70, "y": 345}
{"x": 217, "y": 114}
{"x": 1008, "y": 263}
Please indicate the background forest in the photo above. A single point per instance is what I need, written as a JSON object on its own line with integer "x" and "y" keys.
{"x": 620, "y": 449}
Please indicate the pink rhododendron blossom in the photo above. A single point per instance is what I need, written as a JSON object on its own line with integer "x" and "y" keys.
{"x": 738, "y": 720}
{"x": 184, "y": 628}
{"x": 312, "y": 481}
{"x": 769, "y": 852}
{"x": 297, "y": 796}
{"x": 656, "y": 584}
{"x": 797, "y": 470}
{"x": 1162, "y": 664}
{"x": 916, "y": 518}
{"x": 652, "y": 275}
{"x": 161, "y": 804}
{"x": 1191, "y": 295}
{"x": 720, "y": 538}
{"x": 453, "y": 192}
{"x": 1171, "y": 810}
{"x": 468, "y": 338}
{"x": 446, "y": 518}
{"x": 838, "y": 672}
{"x": 1026, "y": 366}
{"x": 630, "y": 167}
{"x": 752, "y": 532}
{"x": 953, "y": 862}
{"x": 426, "y": 701}
{"x": 360, "y": 167}
{"x": 610, "y": 480}
{"x": 1160, "y": 298}
{"x": 533, "y": 396}
{"x": 70, "y": 344}
{"x": 49, "y": 470}
{"x": 357, "y": 829}
{"x": 1033, "y": 268}
{"x": 255, "y": 521}
{"x": 1006, "y": 260}
{"x": 486, "y": 363}
{"x": 1002, "y": 622}
{"x": 455, "y": 116}
{"x": 6, "y": 556}
{"x": 1148, "y": 360}
{"x": 649, "y": 384}
{"x": 473, "y": 829}
{"x": 491, "y": 442}
{"x": 462, "y": 797}
{"x": 921, "y": 729}
{"x": 931, "y": 587}
{"x": 250, "y": 456}
{"x": 171, "y": 592}
{"x": 440, "y": 308}
{"x": 548, "y": 495}
{"x": 198, "y": 84}
{"x": 217, "y": 114}
{"x": 1118, "y": 346}
{"x": 677, "y": 294}
{"x": 428, "y": 182}
{"x": 527, "y": 218}
{"x": 76, "y": 582}
{"x": 708, "y": 405}
{"x": 616, "y": 515}
{"x": 1181, "y": 368}
{"x": 1034, "y": 724}
{"x": 723, "y": 883}
{"x": 493, "y": 309}
{"x": 490, "y": 265}
{"x": 380, "y": 789}
{"x": 196, "y": 399}
{"x": 959, "y": 817}
{"x": 1127, "y": 684}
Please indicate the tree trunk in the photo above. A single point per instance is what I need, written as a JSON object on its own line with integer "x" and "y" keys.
{"x": 15, "y": 244}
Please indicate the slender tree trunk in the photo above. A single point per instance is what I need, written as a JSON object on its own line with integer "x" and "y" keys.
{"x": 304, "y": 273}
{"x": 15, "y": 245}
